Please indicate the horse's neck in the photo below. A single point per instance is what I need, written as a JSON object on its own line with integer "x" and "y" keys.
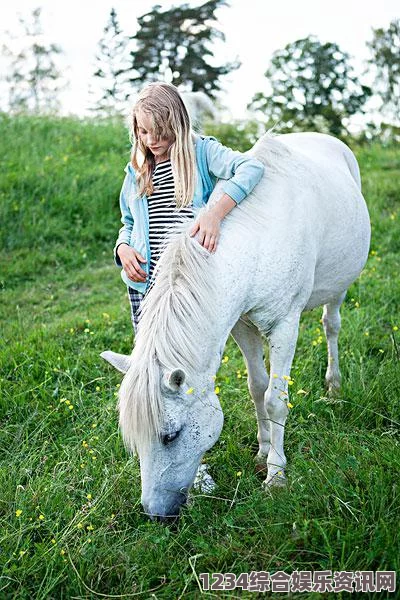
{"x": 225, "y": 313}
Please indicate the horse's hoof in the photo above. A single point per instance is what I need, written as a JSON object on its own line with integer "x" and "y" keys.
{"x": 332, "y": 387}
{"x": 261, "y": 460}
{"x": 277, "y": 480}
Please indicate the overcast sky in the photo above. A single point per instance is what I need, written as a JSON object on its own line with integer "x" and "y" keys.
{"x": 254, "y": 29}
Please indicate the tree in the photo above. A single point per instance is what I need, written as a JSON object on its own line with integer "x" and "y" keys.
{"x": 33, "y": 78}
{"x": 385, "y": 49}
{"x": 174, "y": 45}
{"x": 312, "y": 87}
{"x": 112, "y": 63}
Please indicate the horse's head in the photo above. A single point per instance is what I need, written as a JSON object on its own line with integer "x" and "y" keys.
{"x": 170, "y": 425}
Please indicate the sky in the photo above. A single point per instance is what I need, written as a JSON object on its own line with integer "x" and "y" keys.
{"x": 253, "y": 30}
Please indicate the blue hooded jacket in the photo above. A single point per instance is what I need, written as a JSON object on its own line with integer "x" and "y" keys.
{"x": 214, "y": 161}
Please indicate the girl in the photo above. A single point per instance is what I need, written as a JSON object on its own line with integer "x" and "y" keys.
{"x": 171, "y": 175}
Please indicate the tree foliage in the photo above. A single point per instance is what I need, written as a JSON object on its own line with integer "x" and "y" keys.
{"x": 385, "y": 50}
{"x": 175, "y": 45}
{"x": 111, "y": 65}
{"x": 33, "y": 79}
{"x": 312, "y": 87}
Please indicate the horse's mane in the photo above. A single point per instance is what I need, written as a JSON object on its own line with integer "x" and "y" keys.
{"x": 176, "y": 315}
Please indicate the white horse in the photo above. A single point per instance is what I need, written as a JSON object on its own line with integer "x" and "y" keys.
{"x": 199, "y": 106}
{"x": 298, "y": 241}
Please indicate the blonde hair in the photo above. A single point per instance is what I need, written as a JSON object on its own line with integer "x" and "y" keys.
{"x": 162, "y": 103}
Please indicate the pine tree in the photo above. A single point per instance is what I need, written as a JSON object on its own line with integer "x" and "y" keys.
{"x": 112, "y": 61}
{"x": 33, "y": 79}
{"x": 174, "y": 45}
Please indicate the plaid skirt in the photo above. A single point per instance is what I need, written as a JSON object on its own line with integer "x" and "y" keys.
{"x": 135, "y": 299}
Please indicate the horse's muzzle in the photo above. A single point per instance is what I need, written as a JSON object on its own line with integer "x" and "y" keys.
{"x": 165, "y": 514}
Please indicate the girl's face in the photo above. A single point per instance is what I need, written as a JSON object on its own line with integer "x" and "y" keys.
{"x": 158, "y": 147}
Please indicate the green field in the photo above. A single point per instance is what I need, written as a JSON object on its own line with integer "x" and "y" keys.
{"x": 70, "y": 515}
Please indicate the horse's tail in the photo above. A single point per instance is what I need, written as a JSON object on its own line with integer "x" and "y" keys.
{"x": 352, "y": 163}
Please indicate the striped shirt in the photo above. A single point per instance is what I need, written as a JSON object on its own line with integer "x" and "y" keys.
{"x": 163, "y": 213}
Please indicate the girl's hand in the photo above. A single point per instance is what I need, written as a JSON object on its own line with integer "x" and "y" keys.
{"x": 207, "y": 229}
{"x": 130, "y": 260}
{"x": 208, "y": 225}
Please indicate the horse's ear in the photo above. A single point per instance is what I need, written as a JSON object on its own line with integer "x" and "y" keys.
{"x": 174, "y": 379}
{"x": 121, "y": 362}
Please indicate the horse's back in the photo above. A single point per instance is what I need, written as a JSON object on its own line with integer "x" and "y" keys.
{"x": 308, "y": 216}
{"x": 320, "y": 147}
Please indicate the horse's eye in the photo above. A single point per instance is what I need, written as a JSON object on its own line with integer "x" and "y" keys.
{"x": 169, "y": 437}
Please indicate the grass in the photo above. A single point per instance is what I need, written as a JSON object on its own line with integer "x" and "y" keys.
{"x": 70, "y": 514}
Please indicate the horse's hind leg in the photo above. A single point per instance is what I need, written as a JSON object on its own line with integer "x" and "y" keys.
{"x": 282, "y": 344}
{"x": 249, "y": 340}
{"x": 331, "y": 322}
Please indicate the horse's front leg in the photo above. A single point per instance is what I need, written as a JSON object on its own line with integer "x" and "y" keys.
{"x": 250, "y": 342}
{"x": 282, "y": 343}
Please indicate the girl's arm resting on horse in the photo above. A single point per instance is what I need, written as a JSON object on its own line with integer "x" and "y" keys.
{"x": 242, "y": 172}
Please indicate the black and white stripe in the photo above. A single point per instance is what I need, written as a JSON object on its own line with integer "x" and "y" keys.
{"x": 163, "y": 213}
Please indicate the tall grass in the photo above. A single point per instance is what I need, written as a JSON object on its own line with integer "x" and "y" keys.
{"x": 71, "y": 520}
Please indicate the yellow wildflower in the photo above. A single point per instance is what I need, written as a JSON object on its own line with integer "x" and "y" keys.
{"x": 18, "y": 512}
{"x": 217, "y": 390}
{"x": 41, "y": 517}
{"x": 190, "y": 391}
